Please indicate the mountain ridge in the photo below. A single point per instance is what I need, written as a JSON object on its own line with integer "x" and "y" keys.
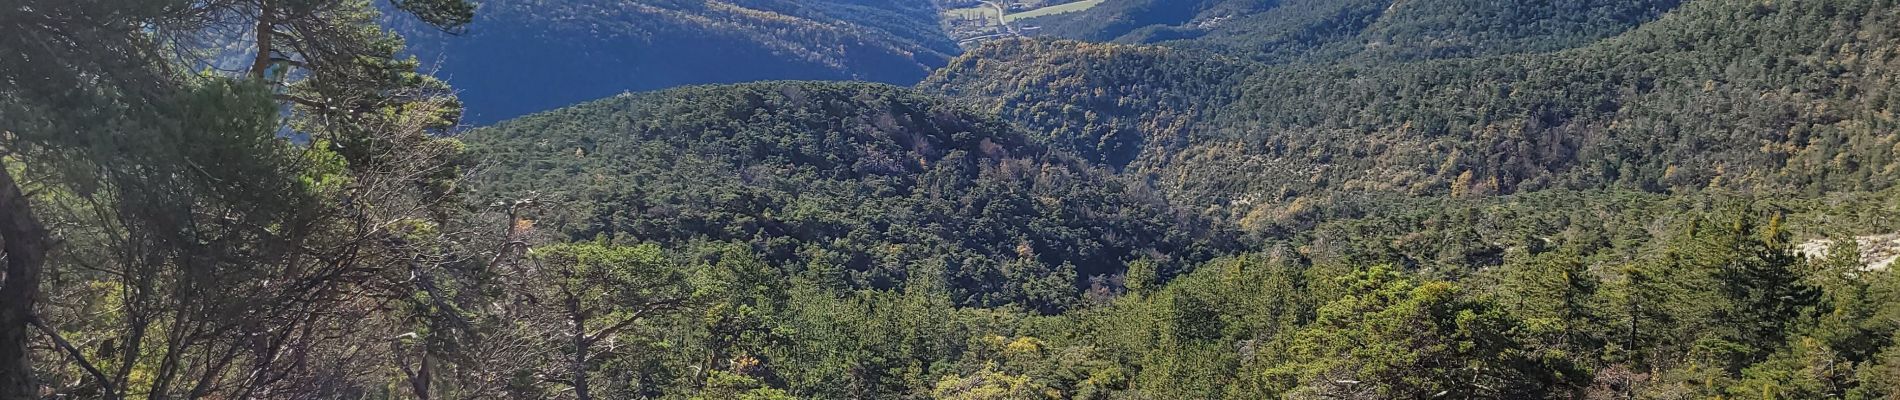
{"x": 522, "y": 56}
{"x": 1580, "y": 118}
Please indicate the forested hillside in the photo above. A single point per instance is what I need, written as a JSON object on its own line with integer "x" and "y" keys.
{"x": 1622, "y": 194}
{"x": 1718, "y": 94}
{"x": 1241, "y": 199}
{"x": 1723, "y": 94}
{"x": 1375, "y": 30}
{"x": 520, "y": 56}
{"x": 1115, "y": 19}
{"x": 860, "y": 184}
{"x": 1111, "y": 104}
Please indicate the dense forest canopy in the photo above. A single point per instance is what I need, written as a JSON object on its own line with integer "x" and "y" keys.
{"x": 1235, "y": 199}
{"x": 1718, "y": 94}
{"x": 1307, "y": 31}
{"x": 859, "y": 182}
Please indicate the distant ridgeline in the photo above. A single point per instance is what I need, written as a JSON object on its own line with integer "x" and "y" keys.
{"x": 1767, "y": 97}
{"x": 1327, "y": 30}
{"x": 523, "y": 56}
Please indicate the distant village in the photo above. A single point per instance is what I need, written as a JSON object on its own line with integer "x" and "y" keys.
{"x": 973, "y": 22}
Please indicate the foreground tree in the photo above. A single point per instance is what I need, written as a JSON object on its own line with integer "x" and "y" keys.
{"x": 586, "y": 294}
{"x": 1392, "y": 337}
{"x": 230, "y": 252}
{"x": 86, "y": 56}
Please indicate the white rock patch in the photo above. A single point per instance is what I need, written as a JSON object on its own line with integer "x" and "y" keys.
{"x": 1877, "y": 252}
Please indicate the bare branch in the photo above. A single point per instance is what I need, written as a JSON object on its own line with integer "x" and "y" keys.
{"x": 111, "y": 391}
{"x": 652, "y": 307}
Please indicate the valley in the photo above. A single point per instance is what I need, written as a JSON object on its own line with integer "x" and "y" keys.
{"x": 973, "y": 23}
{"x": 950, "y": 199}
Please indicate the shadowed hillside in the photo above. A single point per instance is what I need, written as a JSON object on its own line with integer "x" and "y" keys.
{"x": 524, "y": 56}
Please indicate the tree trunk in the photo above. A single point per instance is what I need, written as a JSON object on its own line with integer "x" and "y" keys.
{"x": 580, "y": 371}
{"x": 580, "y": 349}
{"x": 24, "y": 242}
{"x": 425, "y": 375}
{"x": 266, "y": 29}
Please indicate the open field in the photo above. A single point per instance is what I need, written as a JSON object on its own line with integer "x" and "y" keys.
{"x": 985, "y": 12}
{"x": 1052, "y": 10}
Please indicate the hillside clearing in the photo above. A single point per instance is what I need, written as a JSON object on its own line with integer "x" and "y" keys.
{"x": 1053, "y": 10}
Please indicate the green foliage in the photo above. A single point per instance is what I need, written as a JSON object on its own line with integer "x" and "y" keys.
{"x": 1306, "y": 31}
{"x": 443, "y": 14}
{"x": 1441, "y": 199}
{"x": 1108, "y": 104}
{"x": 1142, "y": 276}
{"x": 1391, "y": 337}
{"x": 1678, "y": 104}
{"x": 1135, "y": 19}
{"x": 1380, "y": 30}
{"x": 610, "y": 277}
{"x": 1557, "y": 297}
{"x": 866, "y": 179}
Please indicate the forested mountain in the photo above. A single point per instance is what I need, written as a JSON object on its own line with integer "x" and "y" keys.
{"x": 1115, "y": 19}
{"x": 1203, "y": 199}
{"x": 523, "y": 56}
{"x": 1723, "y": 94}
{"x": 1381, "y": 30}
{"x": 860, "y": 183}
{"x": 1110, "y": 104}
